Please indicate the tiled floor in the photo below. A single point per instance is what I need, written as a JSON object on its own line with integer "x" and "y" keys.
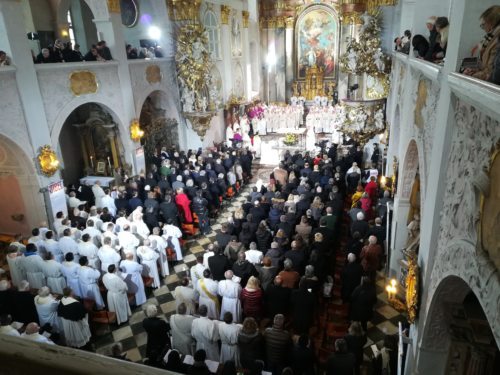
{"x": 133, "y": 337}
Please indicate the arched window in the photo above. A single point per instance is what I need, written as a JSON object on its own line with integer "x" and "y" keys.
{"x": 213, "y": 34}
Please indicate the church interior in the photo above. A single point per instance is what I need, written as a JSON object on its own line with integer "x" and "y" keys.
{"x": 402, "y": 94}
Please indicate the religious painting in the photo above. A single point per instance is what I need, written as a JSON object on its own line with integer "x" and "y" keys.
{"x": 101, "y": 167}
{"x": 129, "y": 12}
{"x": 316, "y": 34}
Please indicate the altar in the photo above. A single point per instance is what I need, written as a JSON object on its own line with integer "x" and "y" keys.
{"x": 91, "y": 180}
{"x": 273, "y": 146}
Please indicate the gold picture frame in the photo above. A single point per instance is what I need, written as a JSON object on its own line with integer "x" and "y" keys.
{"x": 47, "y": 160}
{"x": 412, "y": 286}
{"x": 101, "y": 167}
{"x": 83, "y": 82}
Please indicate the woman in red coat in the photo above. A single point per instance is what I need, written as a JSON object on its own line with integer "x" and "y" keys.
{"x": 183, "y": 205}
{"x": 251, "y": 299}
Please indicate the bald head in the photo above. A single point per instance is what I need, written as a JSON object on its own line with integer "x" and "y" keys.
{"x": 228, "y": 274}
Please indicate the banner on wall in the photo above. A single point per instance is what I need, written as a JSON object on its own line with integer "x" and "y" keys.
{"x": 140, "y": 160}
{"x": 57, "y": 199}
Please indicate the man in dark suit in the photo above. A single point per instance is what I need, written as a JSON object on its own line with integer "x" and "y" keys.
{"x": 218, "y": 264}
{"x": 158, "y": 340}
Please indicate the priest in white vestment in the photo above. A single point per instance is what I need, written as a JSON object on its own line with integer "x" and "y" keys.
{"x": 107, "y": 255}
{"x": 7, "y": 330}
{"x": 52, "y": 271}
{"x": 208, "y": 289}
{"x": 128, "y": 241}
{"x": 32, "y": 333}
{"x": 88, "y": 249}
{"x": 159, "y": 244}
{"x": 88, "y": 278}
{"x": 14, "y": 260}
{"x": 186, "y": 295}
{"x": 148, "y": 258}
{"x": 33, "y": 266}
{"x": 70, "y": 271}
{"x": 37, "y": 239}
{"x": 132, "y": 275}
{"x": 138, "y": 222}
{"x": 196, "y": 272}
{"x": 94, "y": 233}
{"x": 206, "y": 334}
{"x": 109, "y": 231}
{"x": 98, "y": 194}
{"x": 230, "y": 291}
{"x": 228, "y": 333}
{"x": 170, "y": 230}
{"x": 108, "y": 202}
{"x": 52, "y": 246}
{"x": 74, "y": 320}
{"x": 46, "y": 307}
{"x": 67, "y": 244}
{"x": 117, "y": 295}
{"x": 180, "y": 327}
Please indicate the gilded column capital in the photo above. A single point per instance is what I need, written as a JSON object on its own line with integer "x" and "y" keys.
{"x": 289, "y": 22}
{"x": 246, "y": 15}
{"x": 280, "y": 22}
{"x": 114, "y": 6}
{"x": 225, "y": 12}
{"x": 271, "y": 23}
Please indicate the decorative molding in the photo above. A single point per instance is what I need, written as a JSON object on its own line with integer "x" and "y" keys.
{"x": 114, "y": 6}
{"x": 83, "y": 82}
{"x": 184, "y": 10}
{"x": 153, "y": 74}
{"x": 289, "y": 22}
{"x": 280, "y": 22}
{"x": 428, "y": 69}
{"x": 225, "y": 12}
{"x": 246, "y": 16}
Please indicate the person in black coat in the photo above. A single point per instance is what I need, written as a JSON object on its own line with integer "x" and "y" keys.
{"x": 218, "y": 264}
{"x": 244, "y": 269}
{"x": 420, "y": 46}
{"x": 356, "y": 340}
{"x": 169, "y": 211}
{"x": 341, "y": 362}
{"x": 199, "y": 367}
{"x": 363, "y": 299}
{"x": 224, "y": 237}
{"x": 378, "y": 231}
{"x": 175, "y": 364}
{"x": 302, "y": 301}
{"x": 360, "y": 225}
{"x": 250, "y": 343}
{"x": 6, "y": 296}
{"x": 23, "y": 304}
{"x": 158, "y": 336}
{"x": 351, "y": 277}
{"x": 303, "y": 357}
{"x": 277, "y": 298}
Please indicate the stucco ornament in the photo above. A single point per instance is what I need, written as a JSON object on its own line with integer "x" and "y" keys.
{"x": 83, "y": 82}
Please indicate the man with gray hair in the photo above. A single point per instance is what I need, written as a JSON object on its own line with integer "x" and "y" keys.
{"x": 181, "y": 325}
{"x": 371, "y": 256}
{"x": 290, "y": 277}
{"x": 32, "y": 333}
{"x": 278, "y": 344}
{"x": 244, "y": 269}
{"x": 107, "y": 255}
{"x": 230, "y": 291}
{"x": 157, "y": 330}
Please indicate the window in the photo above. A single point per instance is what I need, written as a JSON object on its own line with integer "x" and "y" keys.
{"x": 70, "y": 29}
{"x": 213, "y": 34}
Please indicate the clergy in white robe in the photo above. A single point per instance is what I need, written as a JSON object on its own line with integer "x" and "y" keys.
{"x": 128, "y": 241}
{"x": 159, "y": 244}
{"x": 148, "y": 258}
{"x": 138, "y": 222}
{"x": 174, "y": 233}
{"x": 208, "y": 289}
{"x": 117, "y": 294}
{"x": 37, "y": 239}
{"x": 121, "y": 221}
{"x": 132, "y": 275}
{"x": 98, "y": 194}
{"x": 67, "y": 244}
{"x": 17, "y": 243}
{"x": 95, "y": 217}
{"x": 33, "y": 266}
{"x": 88, "y": 249}
{"x": 180, "y": 327}
{"x": 14, "y": 260}
{"x": 7, "y": 330}
{"x": 46, "y": 307}
{"x": 52, "y": 271}
{"x": 88, "y": 278}
{"x": 206, "y": 334}
{"x": 93, "y": 232}
{"x": 70, "y": 271}
{"x": 32, "y": 333}
{"x": 109, "y": 231}
{"x": 52, "y": 246}
{"x": 186, "y": 295}
{"x": 228, "y": 333}
{"x": 230, "y": 293}
{"x": 108, "y": 202}
{"x": 196, "y": 272}
{"x": 74, "y": 320}
{"x": 107, "y": 255}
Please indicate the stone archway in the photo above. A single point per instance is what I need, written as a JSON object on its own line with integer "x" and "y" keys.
{"x": 22, "y": 206}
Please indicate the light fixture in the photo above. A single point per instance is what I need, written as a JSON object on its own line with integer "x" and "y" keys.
{"x": 64, "y": 33}
{"x": 47, "y": 159}
{"x": 136, "y": 133}
{"x": 383, "y": 182}
{"x": 392, "y": 290}
{"x": 154, "y": 32}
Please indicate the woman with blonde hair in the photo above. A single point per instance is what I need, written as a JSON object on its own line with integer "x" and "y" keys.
{"x": 317, "y": 208}
{"x": 251, "y": 299}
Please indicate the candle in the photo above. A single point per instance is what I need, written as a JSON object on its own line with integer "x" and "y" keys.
{"x": 91, "y": 161}
{"x": 109, "y": 162}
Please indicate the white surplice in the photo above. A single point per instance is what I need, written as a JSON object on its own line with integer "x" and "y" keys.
{"x": 76, "y": 332}
{"x": 132, "y": 275}
{"x": 230, "y": 292}
{"x": 46, "y": 307}
{"x": 128, "y": 242}
{"x": 17, "y": 272}
{"x": 148, "y": 258}
{"x": 196, "y": 274}
{"x": 33, "y": 266}
{"x": 175, "y": 233}
{"x": 54, "y": 276}
{"x": 117, "y": 296}
{"x": 88, "y": 278}
{"x": 109, "y": 202}
{"x": 108, "y": 256}
{"x": 208, "y": 289}
{"x": 89, "y": 249}
{"x": 161, "y": 244}
{"x": 68, "y": 245}
{"x": 53, "y": 247}
{"x": 188, "y": 296}
{"x": 206, "y": 334}
{"x": 180, "y": 327}
{"x": 229, "y": 350}
{"x": 98, "y": 195}
{"x": 70, "y": 272}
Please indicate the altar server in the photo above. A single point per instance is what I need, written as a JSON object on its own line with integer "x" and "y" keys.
{"x": 74, "y": 320}
{"x": 230, "y": 292}
{"x": 206, "y": 334}
{"x": 208, "y": 294}
{"x": 88, "y": 278}
{"x": 117, "y": 294}
{"x": 132, "y": 272}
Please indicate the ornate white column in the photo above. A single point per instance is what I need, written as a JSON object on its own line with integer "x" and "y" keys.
{"x": 247, "y": 73}
{"x": 225, "y": 39}
{"x": 289, "y": 68}
{"x": 281, "y": 59}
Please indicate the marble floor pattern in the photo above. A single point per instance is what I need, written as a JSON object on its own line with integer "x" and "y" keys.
{"x": 133, "y": 337}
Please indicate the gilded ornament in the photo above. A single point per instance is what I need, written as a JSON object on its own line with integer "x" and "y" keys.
{"x": 280, "y": 22}
{"x": 271, "y": 23}
{"x": 114, "y": 6}
{"x": 412, "y": 286}
{"x": 47, "y": 160}
{"x": 200, "y": 121}
{"x": 83, "y": 82}
{"x": 153, "y": 74}
{"x": 184, "y": 10}
{"x": 246, "y": 16}
{"x": 225, "y": 12}
{"x": 136, "y": 133}
{"x": 289, "y": 21}
{"x": 420, "y": 103}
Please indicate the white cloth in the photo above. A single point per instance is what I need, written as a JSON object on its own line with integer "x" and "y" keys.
{"x": 206, "y": 334}
{"x": 94, "y": 233}
{"x": 109, "y": 202}
{"x": 148, "y": 258}
{"x": 207, "y": 255}
{"x": 37, "y": 338}
{"x": 74, "y": 202}
{"x": 230, "y": 292}
{"x": 161, "y": 245}
{"x": 9, "y": 331}
{"x": 120, "y": 222}
{"x": 133, "y": 278}
{"x": 89, "y": 249}
{"x": 97, "y": 221}
{"x": 46, "y": 307}
{"x": 88, "y": 284}
{"x": 17, "y": 272}
{"x": 188, "y": 296}
{"x": 108, "y": 256}
{"x": 33, "y": 266}
{"x": 68, "y": 245}
{"x": 196, "y": 274}
{"x": 208, "y": 290}
{"x": 54, "y": 276}
{"x": 53, "y": 247}
{"x": 180, "y": 327}
{"x": 108, "y": 234}
{"x": 38, "y": 242}
{"x": 117, "y": 296}
{"x": 254, "y": 256}
{"x": 174, "y": 232}
{"x": 128, "y": 242}
{"x": 98, "y": 195}
{"x": 70, "y": 272}
{"x": 229, "y": 350}
{"x": 76, "y": 332}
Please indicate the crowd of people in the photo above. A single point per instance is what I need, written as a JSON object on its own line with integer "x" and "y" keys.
{"x": 64, "y": 52}
{"x": 249, "y": 301}
{"x": 151, "y": 52}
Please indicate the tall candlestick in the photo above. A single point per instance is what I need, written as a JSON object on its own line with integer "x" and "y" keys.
{"x": 109, "y": 163}
{"x": 91, "y": 161}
